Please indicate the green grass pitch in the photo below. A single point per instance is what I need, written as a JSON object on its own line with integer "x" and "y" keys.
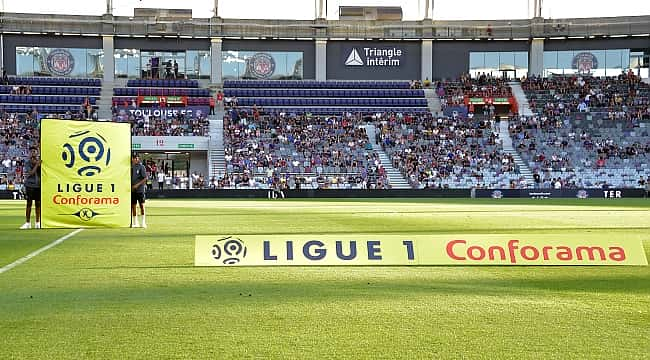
{"x": 133, "y": 293}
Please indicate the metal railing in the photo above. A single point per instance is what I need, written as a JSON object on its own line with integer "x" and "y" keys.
{"x": 404, "y": 30}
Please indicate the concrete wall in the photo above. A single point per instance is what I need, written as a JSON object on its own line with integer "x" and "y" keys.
{"x": 162, "y": 44}
{"x": 597, "y": 44}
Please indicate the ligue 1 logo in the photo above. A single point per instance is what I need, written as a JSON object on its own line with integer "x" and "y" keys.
{"x": 88, "y": 155}
{"x": 60, "y": 62}
{"x": 582, "y": 194}
{"x": 232, "y": 250}
{"x": 261, "y": 65}
{"x": 497, "y": 194}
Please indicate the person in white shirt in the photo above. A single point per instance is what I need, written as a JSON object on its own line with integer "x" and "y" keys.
{"x": 161, "y": 180}
{"x": 582, "y": 107}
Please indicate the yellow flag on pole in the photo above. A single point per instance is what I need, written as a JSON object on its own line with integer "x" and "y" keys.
{"x": 85, "y": 174}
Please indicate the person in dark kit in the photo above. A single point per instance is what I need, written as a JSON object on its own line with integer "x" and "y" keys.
{"x": 168, "y": 69}
{"x": 175, "y": 70}
{"x": 138, "y": 180}
{"x": 32, "y": 171}
{"x": 155, "y": 64}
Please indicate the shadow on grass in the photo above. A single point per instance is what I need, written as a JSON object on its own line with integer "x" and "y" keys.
{"x": 264, "y": 285}
{"x": 96, "y": 234}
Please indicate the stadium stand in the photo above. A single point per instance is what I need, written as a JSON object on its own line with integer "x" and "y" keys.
{"x": 294, "y": 151}
{"x": 176, "y": 126}
{"x": 458, "y": 92}
{"x": 150, "y": 125}
{"x": 589, "y": 132}
{"x": 618, "y": 97}
{"x": 442, "y": 152}
{"x": 581, "y": 153}
{"x": 48, "y": 95}
{"x": 18, "y": 132}
{"x": 326, "y": 97}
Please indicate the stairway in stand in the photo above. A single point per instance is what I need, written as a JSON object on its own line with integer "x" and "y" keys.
{"x": 520, "y": 96}
{"x": 396, "y": 178}
{"x": 504, "y": 135}
{"x": 105, "y": 101}
{"x": 217, "y": 162}
{"x": 433, "y": 101}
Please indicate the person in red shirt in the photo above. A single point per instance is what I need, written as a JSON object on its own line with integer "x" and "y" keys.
{"x": 256, "y": 113}
{"x": 219, "y": 98}
{"x": 211, "y": 105}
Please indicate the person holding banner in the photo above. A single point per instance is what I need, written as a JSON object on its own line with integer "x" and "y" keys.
{"x": 32, "y": 183}
{"x": 138, "y": 180}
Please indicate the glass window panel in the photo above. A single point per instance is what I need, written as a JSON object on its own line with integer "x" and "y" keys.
{"x": 613, "y": 63}
{"x": 121, "y": 64}
{"x": 476, "y": 60}
{"x": 95, "y": 62}
{"x": 613, "y": 59}
{"x": 550, "y": 61}
{"x": 79, "y": 63}
{"x": 205, "y": 64}
{"x": 601, "y": 59}
{"x": 192, "y": 64}
{"x": 564, "y": 60}
{"x": 134, "y": 64}
{"x": 506, "y": 60}
{"x": 261, "y": 65}
{"x": 625, "y": 58}
{"x": 280, "y": 65}
{"x": 231, "y": 65}
{"x": 521, "y": 60}
{"x": 24, "y": 61}
{"x": 492, "y": 60}
{"x": 40, "y": 57}
{"x": 69, "y": 62}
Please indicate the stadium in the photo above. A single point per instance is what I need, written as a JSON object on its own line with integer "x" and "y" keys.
{"x": 364, "y": 181}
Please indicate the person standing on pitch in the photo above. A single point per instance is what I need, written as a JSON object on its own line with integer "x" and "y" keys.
{"x": 138, "y": 180}
{"x": 32, "y": 171}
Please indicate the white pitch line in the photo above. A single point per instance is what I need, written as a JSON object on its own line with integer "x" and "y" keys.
{"x": 37, "y": 252}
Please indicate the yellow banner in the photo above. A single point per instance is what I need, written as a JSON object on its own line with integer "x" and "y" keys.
{"x": 85, "y": 174}
{"x": 373, "y": 249}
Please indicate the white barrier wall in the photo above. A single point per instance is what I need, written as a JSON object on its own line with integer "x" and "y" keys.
{"x": 169, "y": 143}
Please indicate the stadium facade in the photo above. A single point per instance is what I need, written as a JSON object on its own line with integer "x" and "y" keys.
{"x": 211, "y": 49}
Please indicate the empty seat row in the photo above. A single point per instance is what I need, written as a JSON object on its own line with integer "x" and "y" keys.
{"x": 324, "y": 93}
{"x": 312, "y": 84}
{"x": 332, "y": 102}
{"x": 56, "y": 90}
{"x": 42, "y": 99}
{"x": 162, "y": 83}
{"x": 160, "y": 91}
{"x": 339, "y": 110}
{"x": 39, "y": 80}
{"x": 47, "y": 109}
{"x": 195, "y": 101}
